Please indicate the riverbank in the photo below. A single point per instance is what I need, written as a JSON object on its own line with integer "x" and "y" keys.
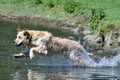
{"x": 39, "y": 21}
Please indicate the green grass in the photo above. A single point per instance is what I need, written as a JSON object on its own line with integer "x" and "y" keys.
{"x": 57, "y": 12}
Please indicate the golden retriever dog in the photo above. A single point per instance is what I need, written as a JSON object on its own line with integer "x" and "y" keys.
{"x": 35, "y": 40}
{"x": 43, "y": 42}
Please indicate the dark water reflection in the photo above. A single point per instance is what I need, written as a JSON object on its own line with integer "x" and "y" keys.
{"x": 52, "y": 73}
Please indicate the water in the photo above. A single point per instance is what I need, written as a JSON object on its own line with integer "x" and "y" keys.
{"x": 52, "y": 66}
{"x": 52, "y": 73}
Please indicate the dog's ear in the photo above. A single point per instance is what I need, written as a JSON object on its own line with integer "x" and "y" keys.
{"x": 26, "y": 33}
{"x": 19, "y": 29}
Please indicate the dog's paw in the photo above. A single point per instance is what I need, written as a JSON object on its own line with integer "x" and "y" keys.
{"x": 45, "y": 51}
{"x": 21, "y": 54}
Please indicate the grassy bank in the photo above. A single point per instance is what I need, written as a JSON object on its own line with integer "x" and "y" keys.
{"x": 67, "y": 10}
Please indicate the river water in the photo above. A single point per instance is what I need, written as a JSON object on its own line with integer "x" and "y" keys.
{"x": 53, "y": 66}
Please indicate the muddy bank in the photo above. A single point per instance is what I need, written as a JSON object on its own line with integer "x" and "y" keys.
{"x": 40, "y": 21}
{"x": 32, "y": 20}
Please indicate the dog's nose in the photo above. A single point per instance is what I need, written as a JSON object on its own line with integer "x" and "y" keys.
{"x": 14, "y": 41}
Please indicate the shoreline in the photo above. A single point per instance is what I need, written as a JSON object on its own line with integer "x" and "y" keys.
{"x": 39, "y": 21}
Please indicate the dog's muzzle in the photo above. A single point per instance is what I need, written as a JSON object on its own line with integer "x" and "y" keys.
{"x": 16, "y": 43}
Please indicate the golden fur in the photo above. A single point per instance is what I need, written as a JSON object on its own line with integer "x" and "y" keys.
{"x": 62, "y": 44}
{"x": 43, "y": 41}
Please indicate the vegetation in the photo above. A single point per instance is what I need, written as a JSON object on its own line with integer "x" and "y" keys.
{"x": 101, "y": 12}
{"x": 96, "y": 19}
{"x": 70, "y": 6}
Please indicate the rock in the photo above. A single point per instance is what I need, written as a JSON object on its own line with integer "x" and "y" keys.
{"x": 110, "y": 41}
{"x": 71, "y": 37}
{"x": 75, "y": 30}
{"x": 112, "y": 50}
{"x": 86, "y": 31}
{"x": 88, "y": 38}
{"x": 94, "y": 38}
{"x": 100, "y": 51}
{"x": 118, "y": 39}
{"x": 116, "y": 50}
{"x": 98, "y": 40}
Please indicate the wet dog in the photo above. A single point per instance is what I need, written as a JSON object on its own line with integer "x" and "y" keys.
{"x": 34, "y": 40}
{"x": 43, "y": 42}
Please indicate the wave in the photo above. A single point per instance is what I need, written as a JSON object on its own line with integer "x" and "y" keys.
{"x": 84, "y": 60}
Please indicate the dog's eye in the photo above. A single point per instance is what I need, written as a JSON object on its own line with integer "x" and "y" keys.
{"x": 19, "y": 37}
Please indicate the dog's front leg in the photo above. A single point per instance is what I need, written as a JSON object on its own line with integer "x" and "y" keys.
{"x": 38, "y": 50}
{"x": 31, "y": 54}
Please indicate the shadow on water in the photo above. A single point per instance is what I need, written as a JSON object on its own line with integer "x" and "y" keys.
{"x": 50, "y": 67}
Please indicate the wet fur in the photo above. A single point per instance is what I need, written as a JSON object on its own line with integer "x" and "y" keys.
{"x": 43, "y": 41}
{"x": 34, "y": 40}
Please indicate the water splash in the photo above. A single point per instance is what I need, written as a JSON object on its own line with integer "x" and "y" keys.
{"x": 109, "y": 62}
{"x": 85, "y": 60}
{"x": 78, "y": 57}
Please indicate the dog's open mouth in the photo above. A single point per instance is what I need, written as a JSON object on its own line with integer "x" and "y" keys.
{"x": 19, "y": 44}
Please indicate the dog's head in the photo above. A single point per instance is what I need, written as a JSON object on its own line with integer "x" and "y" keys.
{"x": 22, "y": 37}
